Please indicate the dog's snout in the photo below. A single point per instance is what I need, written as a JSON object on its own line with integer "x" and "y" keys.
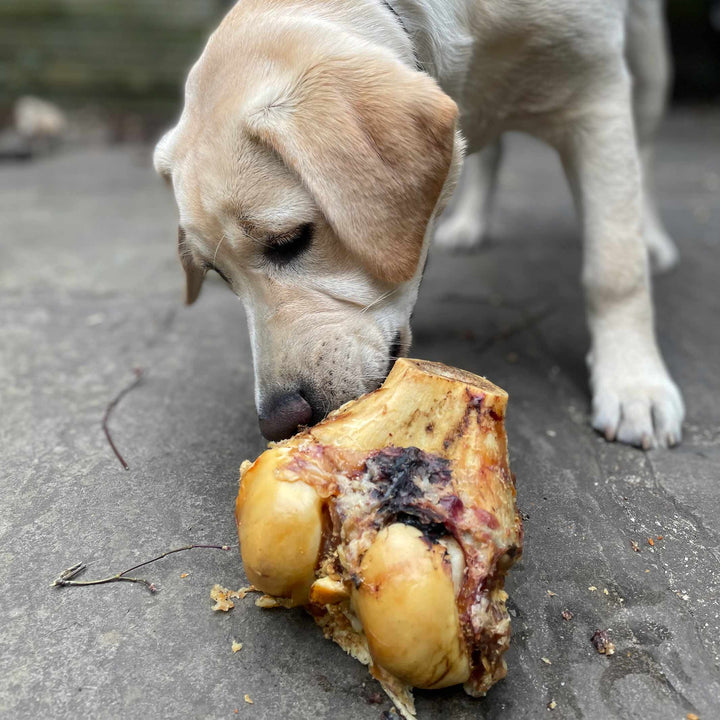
{"x": 284, "y": 415}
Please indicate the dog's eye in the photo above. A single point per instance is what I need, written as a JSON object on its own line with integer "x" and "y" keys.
{"x": 283, "y": 249}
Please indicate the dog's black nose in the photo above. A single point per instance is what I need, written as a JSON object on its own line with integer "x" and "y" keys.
{"x": 283, "y": 415}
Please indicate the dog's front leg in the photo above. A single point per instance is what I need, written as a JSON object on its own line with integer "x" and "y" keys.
{"x": 634, "y": 398}
{"x": 464, "y": 224}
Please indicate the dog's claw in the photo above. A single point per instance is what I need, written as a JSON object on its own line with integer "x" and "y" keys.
{"x": 671, "y": 439}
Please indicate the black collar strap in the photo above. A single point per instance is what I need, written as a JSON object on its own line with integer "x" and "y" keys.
{"x": 398, "y": 17}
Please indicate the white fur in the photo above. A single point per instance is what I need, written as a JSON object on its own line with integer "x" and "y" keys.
{"x": 563, "y": 77}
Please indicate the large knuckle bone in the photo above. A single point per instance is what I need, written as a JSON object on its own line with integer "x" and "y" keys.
{"x": 394, "y": 521}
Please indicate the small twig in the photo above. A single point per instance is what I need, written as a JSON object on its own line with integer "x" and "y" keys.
{"x": 111, "y": 407}
{"x": 67, "y": 576}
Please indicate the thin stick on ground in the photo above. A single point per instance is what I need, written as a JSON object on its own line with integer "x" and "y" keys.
{"x": 113, "y": 403}
{"x": 67, "y": 576}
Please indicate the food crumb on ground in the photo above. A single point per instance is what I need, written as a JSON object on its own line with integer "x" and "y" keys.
{"x": 602, "y": 642}
{"x": 634, "y": 546}
{"x": 248, "y": 700}
{"x": 236, "y": 646}
{"x": 659, "y": 537}
{"x": 651, "y": 541}
{"x": 605, "y": 591}
{"x": 223, "y": 597}
{"x": 692, "y": 716}
{"x": 551, "y": 593}
{"x": 184, "y": 575}
{"x": 567, "y": 615}
{"x": 551, "y": 705}
{"x": 546, "y": 661}
{"x": 268, "y": 601}
{"x": 592, "y": 588}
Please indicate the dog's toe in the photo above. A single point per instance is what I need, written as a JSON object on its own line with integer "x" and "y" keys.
{"x": 664, "y": 255}
{"x": 663, "y": 258}
{"x": 667, "y": 419}
{"x": 636, "y": 425}
{"x": 606, "y": 414}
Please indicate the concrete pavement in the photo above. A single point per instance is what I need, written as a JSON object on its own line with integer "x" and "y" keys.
{"x": 90, "y": 288}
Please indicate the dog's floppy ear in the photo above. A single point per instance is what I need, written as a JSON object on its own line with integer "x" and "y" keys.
{"x": 162, "y": 157}
{"x": 194, "y": 273}
{"x": 372, "y": 140}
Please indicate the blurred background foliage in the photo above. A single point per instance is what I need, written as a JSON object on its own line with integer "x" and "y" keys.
{"x": 118, "y": 54}
{"x": 131, "y": 56}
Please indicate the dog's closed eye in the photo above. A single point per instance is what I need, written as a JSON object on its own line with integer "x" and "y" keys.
{"x": 281, "y": 250}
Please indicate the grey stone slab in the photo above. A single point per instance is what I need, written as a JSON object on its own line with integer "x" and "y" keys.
{"x": 90, "y": 289}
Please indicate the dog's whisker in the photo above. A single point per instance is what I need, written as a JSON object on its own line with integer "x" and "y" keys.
{"x": 217, "y": 247}
{"x": 378, "y": 300}
{"x": 327, "y": 399}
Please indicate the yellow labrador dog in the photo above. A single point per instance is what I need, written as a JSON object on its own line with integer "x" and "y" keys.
{"x": 320, "y": 142}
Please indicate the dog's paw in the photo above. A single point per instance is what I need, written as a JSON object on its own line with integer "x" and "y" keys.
{"x": 646, "y": 411}
{"x": 663, "y": 252}
{"x": 460, "y": 231}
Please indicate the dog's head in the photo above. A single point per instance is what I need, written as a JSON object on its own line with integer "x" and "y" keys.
{"x": 306, "y": 172}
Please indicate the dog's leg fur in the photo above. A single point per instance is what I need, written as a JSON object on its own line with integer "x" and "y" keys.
{"x": 649, "y": 60}
{"x": 464, "y": 223}
{"x": 634, "y": 398}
